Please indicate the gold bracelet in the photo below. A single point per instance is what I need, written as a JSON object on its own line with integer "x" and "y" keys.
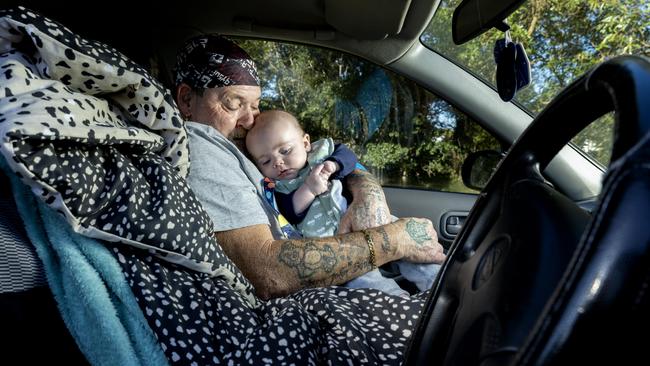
{"x": 371, "y": 248}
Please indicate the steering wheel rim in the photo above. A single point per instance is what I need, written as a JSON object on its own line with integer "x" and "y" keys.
{"x": 504, "y": 267}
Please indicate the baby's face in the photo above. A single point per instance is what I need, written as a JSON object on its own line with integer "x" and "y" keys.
{"x": 278, "y": 149}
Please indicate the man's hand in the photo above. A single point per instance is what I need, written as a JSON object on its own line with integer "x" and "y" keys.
{"x": 421, "y": 241}
{"x": 368, "y": 208}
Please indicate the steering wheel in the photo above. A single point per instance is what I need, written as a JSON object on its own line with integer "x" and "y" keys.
{"x": 532, "y": 277}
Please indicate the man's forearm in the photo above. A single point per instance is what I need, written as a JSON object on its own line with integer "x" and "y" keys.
{"x": 361, "y": 184}
{"x": 368, "y": 208}
{"x": 279, "y": 267}
{"x": 318, "y": 262}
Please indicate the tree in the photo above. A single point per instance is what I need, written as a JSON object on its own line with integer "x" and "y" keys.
{"x": 563, "y": 39}
{"x": 396, "y": 128}
{"x": 408, "y": 134}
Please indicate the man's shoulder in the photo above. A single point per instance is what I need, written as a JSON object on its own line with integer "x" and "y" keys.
{"x": 195, "y": 129}
{"x": 207, "y": 149}
{"x": 207, "y": 140}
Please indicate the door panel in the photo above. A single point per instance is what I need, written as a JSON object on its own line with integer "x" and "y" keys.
{"x": 439, "y": 207}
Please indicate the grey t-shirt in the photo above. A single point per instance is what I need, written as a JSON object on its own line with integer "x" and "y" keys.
{"x": 227, "y": 184}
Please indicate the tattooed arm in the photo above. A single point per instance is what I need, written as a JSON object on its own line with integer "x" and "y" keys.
{"x": 280, "y": 267}
{"x": 368, "y": 208}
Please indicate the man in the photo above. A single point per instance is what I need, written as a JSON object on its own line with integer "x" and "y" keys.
{"x": 218, "y": 93}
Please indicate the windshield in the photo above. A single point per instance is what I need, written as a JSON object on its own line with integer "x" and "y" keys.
{"x": 563, "y": 39}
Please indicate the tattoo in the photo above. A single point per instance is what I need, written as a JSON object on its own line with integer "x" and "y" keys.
{"x": 309, "y": 259}
{"x": 372, "y": 190}
{"x": 362, "y": 214}
{"x": 366, "y": 182}
{"x": 385, "y": 244}
{"x": 350, "y": 253}
{"x": 331, "y": 261}
{"x": 359, "y": 174}
{"x": 365, "y": 214}
{"x": 369, "y": 205}
{"x": 324, "y": 264}
{"x": 381, "y": 216}
{"x": 417, "y": 232}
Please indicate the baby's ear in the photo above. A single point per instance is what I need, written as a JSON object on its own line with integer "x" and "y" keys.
{"x": 305, "y": 140}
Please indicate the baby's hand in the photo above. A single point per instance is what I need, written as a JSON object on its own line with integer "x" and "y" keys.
{"x": 318, "y": 179}
{"x": 330, "y": 167}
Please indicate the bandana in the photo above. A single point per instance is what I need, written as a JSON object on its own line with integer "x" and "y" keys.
{"x": 211, "y": 61}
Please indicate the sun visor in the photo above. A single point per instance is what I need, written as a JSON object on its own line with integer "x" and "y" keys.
{"x": 360, "y": 19}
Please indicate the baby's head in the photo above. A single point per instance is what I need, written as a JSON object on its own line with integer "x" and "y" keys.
{"x": 278, "y": 145}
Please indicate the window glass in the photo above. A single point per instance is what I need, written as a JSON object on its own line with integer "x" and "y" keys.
{"x": 404, "y": 134}
{"x": 563, "y": 40}
{"x": 596, "y": 140}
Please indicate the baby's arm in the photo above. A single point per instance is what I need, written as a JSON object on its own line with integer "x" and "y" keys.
{"x": 315, "y": 184}
{"x": 346, "y": 161}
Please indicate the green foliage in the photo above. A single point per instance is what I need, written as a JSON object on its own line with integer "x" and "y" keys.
{"x": 411, "y": 137}
{"x": 563, "y": 40}
{"x": 384, "y": 154}
{"x": 420, "y": 140}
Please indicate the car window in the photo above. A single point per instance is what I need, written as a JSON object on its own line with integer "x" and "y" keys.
{"x": 405, "y": 135}
{"x": 563, "y": 39}
{"x": 596, "y": 140}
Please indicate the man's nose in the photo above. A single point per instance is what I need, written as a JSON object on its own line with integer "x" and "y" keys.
{"x": 246, "y": 119}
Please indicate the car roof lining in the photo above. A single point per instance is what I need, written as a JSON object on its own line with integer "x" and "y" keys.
{"x": 137, "y": 30}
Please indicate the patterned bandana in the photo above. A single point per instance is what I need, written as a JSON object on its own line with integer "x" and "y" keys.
{"x": 211, "y": 61}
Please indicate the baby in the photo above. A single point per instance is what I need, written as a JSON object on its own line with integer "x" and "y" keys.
{"x": 308, "y": 191}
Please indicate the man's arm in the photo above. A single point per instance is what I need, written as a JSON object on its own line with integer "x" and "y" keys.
{"x": 280, "y": 267}
{"x": 368, "y": 207}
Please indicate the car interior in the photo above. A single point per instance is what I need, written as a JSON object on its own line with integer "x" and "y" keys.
{"x": 548, "y": 258}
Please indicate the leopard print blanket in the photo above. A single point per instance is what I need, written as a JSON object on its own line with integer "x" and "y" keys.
{"x": 101, "y": 142}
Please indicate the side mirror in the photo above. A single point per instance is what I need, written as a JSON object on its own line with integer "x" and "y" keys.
{"x": 478, "y": 168}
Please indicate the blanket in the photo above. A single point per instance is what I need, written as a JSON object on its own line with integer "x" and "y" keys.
{"x": 100, "y": 142}
{"x": 95, "y": 302}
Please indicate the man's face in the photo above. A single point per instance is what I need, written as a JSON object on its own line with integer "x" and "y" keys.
{"x": 230, "y": 109}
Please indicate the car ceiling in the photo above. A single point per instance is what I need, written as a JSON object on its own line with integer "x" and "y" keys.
{"x": 356, "y": 27}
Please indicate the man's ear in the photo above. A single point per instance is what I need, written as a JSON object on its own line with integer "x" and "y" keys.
{"x": 305, "y": 140}
{"x": 184, "y": 99}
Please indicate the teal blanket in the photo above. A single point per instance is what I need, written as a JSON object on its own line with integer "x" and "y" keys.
{"x": 95, "y": 301}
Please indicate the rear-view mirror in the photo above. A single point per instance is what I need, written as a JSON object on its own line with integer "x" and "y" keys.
{"x": 473, "y": 17}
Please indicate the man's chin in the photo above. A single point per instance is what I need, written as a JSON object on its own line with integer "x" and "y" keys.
{"x": 238, "y": 134}
{"x": 238, "y": 137}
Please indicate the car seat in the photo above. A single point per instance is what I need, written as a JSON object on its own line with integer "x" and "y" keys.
{"x": 31, "y": 323}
